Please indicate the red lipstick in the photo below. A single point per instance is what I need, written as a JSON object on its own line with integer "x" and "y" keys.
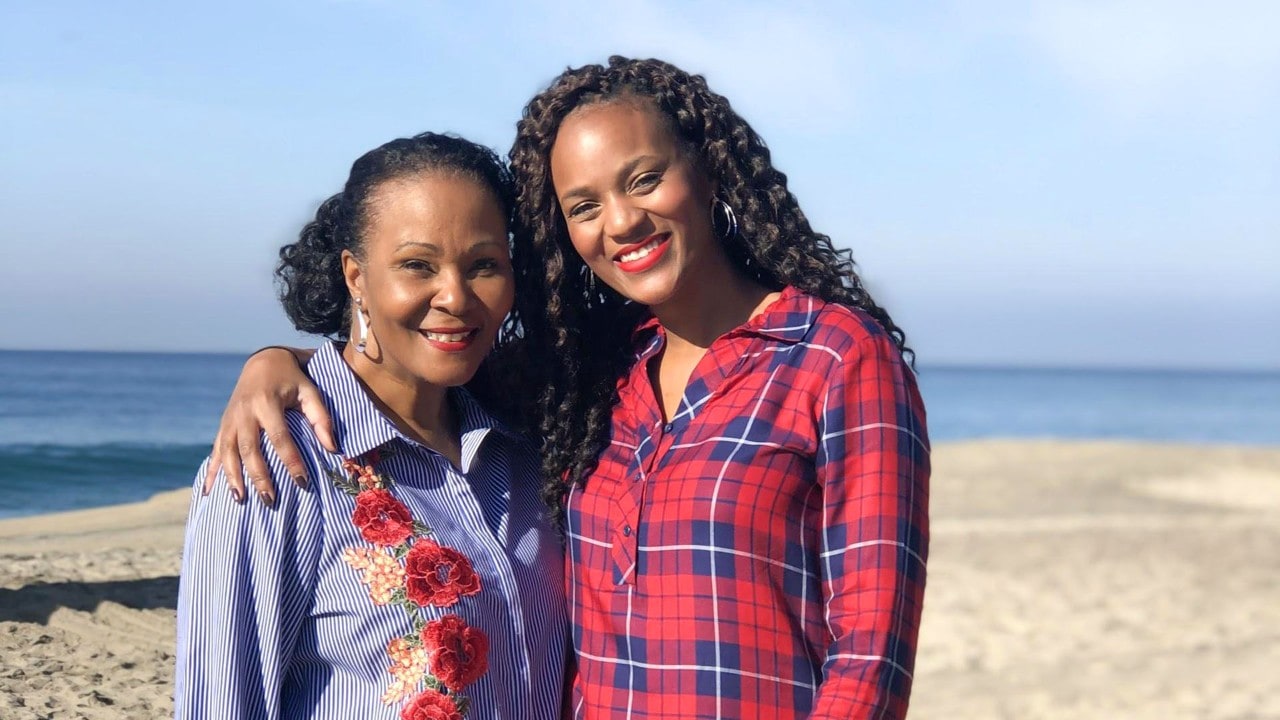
{"x": 450, "y": 342}
{"x": 644, "y": 262}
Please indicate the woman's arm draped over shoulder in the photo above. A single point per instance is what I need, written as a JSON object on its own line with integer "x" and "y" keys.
{"x": 873, "y": 464}
{"x": 271, "y": 382}
{"x": 248, "y": 577}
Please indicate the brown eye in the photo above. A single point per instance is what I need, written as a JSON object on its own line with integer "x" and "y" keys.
{"x": 581, "y": 210}
{"x": 647, "y": 181}
{"x": 487, "y": 266}
{"x": 418, "y": 266}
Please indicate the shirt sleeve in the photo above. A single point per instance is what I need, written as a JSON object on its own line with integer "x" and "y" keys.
{"x": 248, "y": 573}
{"x": 873, "y": 465}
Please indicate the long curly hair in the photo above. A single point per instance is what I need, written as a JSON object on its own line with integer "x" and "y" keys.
{"x": 578, "y": 336}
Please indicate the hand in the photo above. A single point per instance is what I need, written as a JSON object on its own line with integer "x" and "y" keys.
{"x": 270, "y": 383}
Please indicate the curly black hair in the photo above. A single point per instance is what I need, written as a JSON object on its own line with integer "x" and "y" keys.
{"x": 312, "y": 287}
{"x": 578, "y": 336}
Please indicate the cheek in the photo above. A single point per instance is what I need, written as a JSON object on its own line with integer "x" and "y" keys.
{"x": 583, "y": 242}
{"x": 497, "y": 294}
{"x": 400, "y": 302}
{"x": 686, "y": 206}
{"x": 506, "y": 299}
{"x": 686, "y": 198}
{"x": 401, "y": 298}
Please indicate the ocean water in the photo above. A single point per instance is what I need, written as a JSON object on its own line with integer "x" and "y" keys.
{"x": 1240, "y": 408}
{"x": 81, "y": 429}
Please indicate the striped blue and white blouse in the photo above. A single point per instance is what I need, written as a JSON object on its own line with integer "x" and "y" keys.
{"x": 273, "y": 624}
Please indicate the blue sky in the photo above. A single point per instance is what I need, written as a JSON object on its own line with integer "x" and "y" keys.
{"x": 1031, "y": 183}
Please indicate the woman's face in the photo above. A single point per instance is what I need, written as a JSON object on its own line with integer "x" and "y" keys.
{"x": 436, "y": 280}
{"x": 637, "y": 208}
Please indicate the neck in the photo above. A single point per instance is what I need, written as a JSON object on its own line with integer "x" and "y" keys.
{"x": 718, "y": 302}
{"x": 419, "y": 409}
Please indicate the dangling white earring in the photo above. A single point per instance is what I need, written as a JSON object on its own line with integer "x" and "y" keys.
{"x": 363, "y": 340}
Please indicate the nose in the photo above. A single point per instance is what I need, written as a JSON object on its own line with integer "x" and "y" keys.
{"x": 453, "y": 293}
{"x": 622, "y": 219}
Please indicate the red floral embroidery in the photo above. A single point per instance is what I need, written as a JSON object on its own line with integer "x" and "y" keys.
{"x": 383, "y": 520}
{"x": 459, "y": 653}
{"x": 431, "y": 705}
{"x": 438, "y": 575}
{"x": 409, "y": 569}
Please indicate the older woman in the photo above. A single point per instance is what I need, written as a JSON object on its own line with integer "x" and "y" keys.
{"x": 726, "y": 416}
{"x": 411, "y": 580}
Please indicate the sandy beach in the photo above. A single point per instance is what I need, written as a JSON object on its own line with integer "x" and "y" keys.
{"x": 1066, "y": 580}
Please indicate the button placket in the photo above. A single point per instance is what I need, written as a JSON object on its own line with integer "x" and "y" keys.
{"x": 626, "y": 516}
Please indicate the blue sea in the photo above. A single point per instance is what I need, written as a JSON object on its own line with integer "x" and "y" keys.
{"x": 81, "y": 429}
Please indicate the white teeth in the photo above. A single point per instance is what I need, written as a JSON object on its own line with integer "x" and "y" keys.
{"x": 450, "y": 337}
{"x": 637, "y": 254}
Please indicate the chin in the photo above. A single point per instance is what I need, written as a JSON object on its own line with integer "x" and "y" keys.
{"x": 443, "y": 373}
{"x": 649, "y": 291}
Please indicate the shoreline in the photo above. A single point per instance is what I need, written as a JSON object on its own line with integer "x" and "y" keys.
{"x": 164, "y": 499}
{"x": 158, "y": 519}
{"x": 1067, "y": 579}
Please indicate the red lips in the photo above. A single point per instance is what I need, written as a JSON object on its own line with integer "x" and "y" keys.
{"x": 451, "y": 345}
{"x": 644, "y": 262}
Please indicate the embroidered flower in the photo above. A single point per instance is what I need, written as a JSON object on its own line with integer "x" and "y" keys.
{"x": 382, "y": 519}
{"x": 364, "y": 475}
{"x": 409, "y": 569}
{"x": 438, "y": 575}
{"x": 431, "y": 705}
{"x": 459, "y": 653}
{"x": 380, "y": 571}
{"x": 409, "y": 663}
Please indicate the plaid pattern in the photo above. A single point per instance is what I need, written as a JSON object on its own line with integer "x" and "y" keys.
{"x": 763, "y": 553}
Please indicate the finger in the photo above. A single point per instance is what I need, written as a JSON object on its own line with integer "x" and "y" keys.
{"x": 317, "y": 414}
{"x": 231, "y": 469}
{"x": 256, "y": 467}
{"x": 280, "y": 438}
{"x": 211, "y": 468}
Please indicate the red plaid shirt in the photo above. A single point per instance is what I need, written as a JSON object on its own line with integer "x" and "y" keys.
{"x": 763, "y": 553}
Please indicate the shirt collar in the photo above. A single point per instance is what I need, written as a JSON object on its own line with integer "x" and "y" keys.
{"x": 359, "y": 426}
{"x": 786, "y": 319}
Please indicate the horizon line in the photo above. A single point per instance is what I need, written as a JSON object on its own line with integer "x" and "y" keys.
{"x": 1034, "y": 365}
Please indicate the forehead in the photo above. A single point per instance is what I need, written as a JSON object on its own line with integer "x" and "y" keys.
{"x": 445, "y": 205}
{"x": 438, "y": 193}
{"x": 608, "y": 133}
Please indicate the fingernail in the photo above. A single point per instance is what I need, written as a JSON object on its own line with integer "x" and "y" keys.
{"x": 300, "y": 481}
{"x": 236, "y": 494}
{"x": 267, "y": 498}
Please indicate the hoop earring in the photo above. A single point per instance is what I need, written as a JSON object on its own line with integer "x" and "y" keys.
{"x": 363, "y": 341}
{"x": 723, "y": 221}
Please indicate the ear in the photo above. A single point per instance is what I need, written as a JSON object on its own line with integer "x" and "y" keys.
{"x": 353, "y": 274}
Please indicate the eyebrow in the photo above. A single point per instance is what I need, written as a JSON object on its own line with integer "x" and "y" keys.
{"x": 435, "y": 249}
{"x": 625, "y": 170}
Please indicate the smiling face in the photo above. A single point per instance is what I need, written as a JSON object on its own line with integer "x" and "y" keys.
{"x": 637, "y": 208}
{"x": 435, "y": 281}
